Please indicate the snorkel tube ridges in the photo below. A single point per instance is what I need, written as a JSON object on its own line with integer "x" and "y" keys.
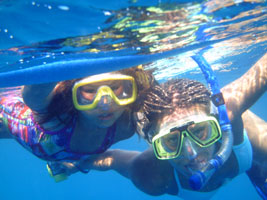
{"x": 199, "y": 179}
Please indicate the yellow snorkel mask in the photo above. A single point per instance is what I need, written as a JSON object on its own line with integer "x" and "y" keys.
{"x": 204, "y": 131}
{"x": 87, "y": 92}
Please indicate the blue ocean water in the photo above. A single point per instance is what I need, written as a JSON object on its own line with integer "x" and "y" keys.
{"x": 235, "y": 31}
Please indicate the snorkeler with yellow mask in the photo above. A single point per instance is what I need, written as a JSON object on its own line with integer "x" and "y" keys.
{"x": 74, "y": 120}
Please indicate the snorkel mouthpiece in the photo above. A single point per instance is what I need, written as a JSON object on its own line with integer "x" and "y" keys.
{"x": 200, "y": 178}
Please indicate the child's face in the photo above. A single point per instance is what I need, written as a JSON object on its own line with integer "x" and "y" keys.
{"x": 107, "y": 111}
{"x": 104, "y": 116}
{"x": 192, "y": 156}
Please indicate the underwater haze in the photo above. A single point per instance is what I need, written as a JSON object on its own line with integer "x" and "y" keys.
{"x": 233, "y": 32}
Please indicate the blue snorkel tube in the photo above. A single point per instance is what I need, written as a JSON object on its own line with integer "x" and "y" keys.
{"x": 200, "y": 178}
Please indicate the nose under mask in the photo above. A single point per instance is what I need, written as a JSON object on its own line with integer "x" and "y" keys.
{"x": 189, "y": 149}
{"x": 105, "y": 102}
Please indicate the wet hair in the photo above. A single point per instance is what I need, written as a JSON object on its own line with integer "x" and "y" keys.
{"x": 61, "y": 106}
{"x": 154, "y": 103}
{"x": 185, "y": 93}
{"x": 162, "y": 100}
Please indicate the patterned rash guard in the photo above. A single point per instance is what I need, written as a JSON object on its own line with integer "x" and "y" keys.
{"x": 47, "y": 145}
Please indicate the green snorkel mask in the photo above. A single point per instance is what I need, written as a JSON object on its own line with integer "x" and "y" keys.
{"x": 202, "y": 130}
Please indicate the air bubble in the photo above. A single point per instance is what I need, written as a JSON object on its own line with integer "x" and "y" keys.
{"x": 63, "y": 7}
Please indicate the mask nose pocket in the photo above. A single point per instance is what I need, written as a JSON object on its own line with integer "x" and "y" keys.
{"x": 189, "y": 149}
{"x": 105, "y": 102}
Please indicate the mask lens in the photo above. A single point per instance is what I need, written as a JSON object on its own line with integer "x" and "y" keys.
{"x": 167, "y": 146}
{"x": 123, "y": 89}
{"x": 205, "y": 133}
{"x": 86, "y": 94}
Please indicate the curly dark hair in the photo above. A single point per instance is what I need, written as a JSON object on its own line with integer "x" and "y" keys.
{"x": 162, "y": 99}
{"x": 62, "y": 104}
{"x": 186, "y": 93}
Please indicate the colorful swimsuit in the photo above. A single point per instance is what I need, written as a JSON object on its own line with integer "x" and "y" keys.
{"x": 47, "y": 145}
